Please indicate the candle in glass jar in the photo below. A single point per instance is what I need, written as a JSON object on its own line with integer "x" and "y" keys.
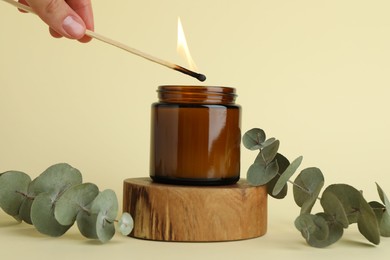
{"x": 195, "y": 136}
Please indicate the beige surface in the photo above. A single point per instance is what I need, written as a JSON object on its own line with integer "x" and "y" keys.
{"x": 281, "y": 242}
{"x": 314, "y": 74}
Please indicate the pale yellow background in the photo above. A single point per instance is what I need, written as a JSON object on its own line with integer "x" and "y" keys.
{"x": 314, "y": 74}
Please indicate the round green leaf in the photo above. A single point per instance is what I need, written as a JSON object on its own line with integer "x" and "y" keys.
{"x": 367, "y": 222}
{"x": 259, "y": 175}
{"x": 106, "y": 203}
{"x": 378, "y": 209}
{"x": 13, "y": 187}
{"x": 308, "y": 185}
{"x": 384, "y": 225}
{"x": 312, "y": 227}
{"x": 357, "y": 210}
{"x": 25, "y": 209}
{"x": 255, "y": 174}
{"x": 253, "y": 138}
{"x": 336, "y": 230}
{"x": 333, "y": 207}
{"x": 74, "y": 200}
{"x": 283, "y": 163}
{"x": 349, "y": 197}
{"x": 282, "y": 194}
{"x": 286, "y": 175}
{"x": 42, "y": 216}
{"x": 319, "y": 230}
{"x": 105, "y": 229}
{"x": 126, "y": 224}
{"x": 268, "y": 142}
{"x": 260, "y": 159}
{"x": 384, "y": 198}
{"x": 56, "y": 179}
{"x": 87, "y": 224}
{"x": 270, "y": 151}
{"x": 382, "y": 218}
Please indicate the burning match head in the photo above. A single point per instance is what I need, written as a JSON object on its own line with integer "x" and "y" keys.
{"x": 198, "y": 76}
{"x": 201, "y": 77}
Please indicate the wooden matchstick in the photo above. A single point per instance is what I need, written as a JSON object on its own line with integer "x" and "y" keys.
{"x": 122, "y": 46}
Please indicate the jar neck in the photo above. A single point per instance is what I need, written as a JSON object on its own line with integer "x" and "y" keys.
{"x": 196, "y": 94}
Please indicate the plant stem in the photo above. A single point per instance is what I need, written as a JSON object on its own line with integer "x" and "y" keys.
{"x": 25, "y": 195}
{"x": 86, "y": 210}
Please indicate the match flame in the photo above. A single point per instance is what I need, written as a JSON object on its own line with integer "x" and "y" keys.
{"x": 182, "y": 47}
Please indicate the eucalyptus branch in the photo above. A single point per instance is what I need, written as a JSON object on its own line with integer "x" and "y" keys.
{"x": 60, "y": 199}
{"x": 343, "y": 205}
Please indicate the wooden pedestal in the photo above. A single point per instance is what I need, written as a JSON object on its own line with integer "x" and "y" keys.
{"x": 195, "y": 213}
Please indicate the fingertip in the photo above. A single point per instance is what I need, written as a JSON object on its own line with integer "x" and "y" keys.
{"x": 54, "y": 33}
{"x": 24, "y": 3}
{"x": 74, "y": 27}
{"x": 85, "y": 39}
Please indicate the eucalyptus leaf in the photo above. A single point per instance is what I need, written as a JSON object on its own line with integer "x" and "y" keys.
{"x": 25, "y": 208}
{"x": 126, "y": 224}
{"x": 305, "y": 223}
{"x": 286, "y": 175}
{"x": 259, "y": 175}
{"x": 282, "y": 194}
{"x": 378, "y": 209}
{"x": 74, "y": 200}
{"x": 309, "y": 203}
{"x": 270, "y": 151}
{"x": 42, "y": 216}
{"x": 267, "y": 142}
{"x": 307, "y": 186}
{"x": 333, "y": 207}
{"x": 384, "y": 198}
{"x": 98, "y": 223}
{"x": 319, "y": 230}
{"x": 253, "y": 138}
{"x": 283, "y": 163}
{"x": 313, "y": 228}
{"x": 367, "y": 223}
{"x": 384, "y": 225}
{"x": 357, "y": 210}
{"x": 349, "y": 197}
{"x": 13, "y": 187}
{"x": 56, "y": 179}
{"x": 382, "y": 218}
{"x": 105, "y": 229}
{"x": 255, "y": 174}
{"x": 86, "y": 224}
{"x": 25, "y": 211}
{"x": 336, "y": 230}
{"x": 260, "y": 159}
{"x": 106, "y": 203}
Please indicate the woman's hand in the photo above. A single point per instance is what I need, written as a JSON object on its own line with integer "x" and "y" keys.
{"x": 68, "y": 18}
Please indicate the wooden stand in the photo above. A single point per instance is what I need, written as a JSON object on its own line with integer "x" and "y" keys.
{"x": 195, "y": 213}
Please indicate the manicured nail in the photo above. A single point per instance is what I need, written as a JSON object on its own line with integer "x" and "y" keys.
{"x": 72, "y": 27}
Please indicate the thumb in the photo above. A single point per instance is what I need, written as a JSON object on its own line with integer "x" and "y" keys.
{"x": 60, "y": 17}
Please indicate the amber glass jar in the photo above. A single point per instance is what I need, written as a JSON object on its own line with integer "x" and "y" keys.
{"x": 195, "y": 136}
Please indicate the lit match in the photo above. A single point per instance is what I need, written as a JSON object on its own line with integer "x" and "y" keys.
{"x": 122, "y": 46}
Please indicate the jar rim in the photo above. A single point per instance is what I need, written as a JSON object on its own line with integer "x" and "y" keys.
{"x": 196, "y": 94}
{"x": 199, "y": 89}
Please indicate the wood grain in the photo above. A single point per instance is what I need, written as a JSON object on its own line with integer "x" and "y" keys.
{"x": 195, "y": 213}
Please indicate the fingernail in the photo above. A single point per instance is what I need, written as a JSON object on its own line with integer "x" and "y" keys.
{"x": 72, "y": 27}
